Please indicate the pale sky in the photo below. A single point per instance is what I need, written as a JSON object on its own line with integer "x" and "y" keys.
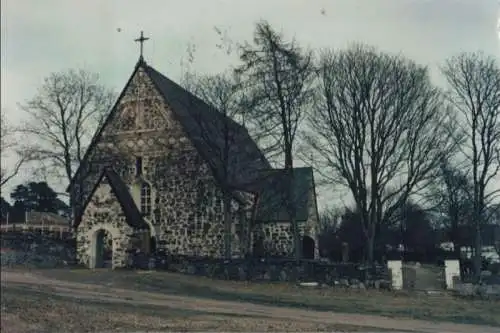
{"x": 40, "y": 37}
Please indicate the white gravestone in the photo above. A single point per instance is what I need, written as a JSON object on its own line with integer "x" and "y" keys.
{"x": 451, "y": 270}
{"x": 396, "y": 269}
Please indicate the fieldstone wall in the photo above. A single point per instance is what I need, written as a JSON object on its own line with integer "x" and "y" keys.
{"x": 35, "y": 251}
{"x": 103, "y": 213}
{"x": 478, "y": 291}
{"x": 188, "y": 207}
{"x": 329, "y": 274}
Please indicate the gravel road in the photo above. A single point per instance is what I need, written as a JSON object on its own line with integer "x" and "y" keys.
{"x": 31, "y": 280}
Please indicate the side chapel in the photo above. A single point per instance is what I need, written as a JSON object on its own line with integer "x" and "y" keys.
{"x": 153, "y": 179}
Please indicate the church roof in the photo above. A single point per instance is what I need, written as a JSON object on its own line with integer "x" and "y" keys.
{"x": 120, "y": 190}
{"x": 207, "y": 129}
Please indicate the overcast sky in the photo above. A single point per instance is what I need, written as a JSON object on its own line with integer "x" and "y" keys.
{"x": 39, "y": 37}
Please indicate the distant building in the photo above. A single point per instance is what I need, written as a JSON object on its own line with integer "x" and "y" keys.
{"x": 39, "y": 222}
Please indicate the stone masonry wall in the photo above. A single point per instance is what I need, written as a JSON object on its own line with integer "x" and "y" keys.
{"x": 103, "y": 213}
{"x": 188, "y": 207}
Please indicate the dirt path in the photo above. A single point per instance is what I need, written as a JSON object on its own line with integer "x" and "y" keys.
{"x": 92, "y": 292}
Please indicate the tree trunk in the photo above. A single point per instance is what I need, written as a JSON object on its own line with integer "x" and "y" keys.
{"x": 372, "y": 224}
{"x": 370, "y": 244}
{"x": 454, "y": 232}
{"x": 369, "y": 254}
{"x": 227, "y": 225}
{"x": 478, "y": 222}
{"x": 456, "y": 251}
{"x": 477, "y": 250}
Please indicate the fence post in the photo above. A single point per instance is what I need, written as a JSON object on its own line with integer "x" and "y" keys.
{"x": 451, "y": 270}
{"x": 396, "y": 269}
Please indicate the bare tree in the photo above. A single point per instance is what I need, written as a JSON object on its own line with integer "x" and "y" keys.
{"x": 378, "y": 128}
{"x": 329, "y": 218}
{"x": 278, "y": 75}
{"x": 62, "y": 117}
{"x": 474, "y": 91}
{"x": 9, "y": 145}
{"x": 451, "y": 197}
{"x": 494, "y": 220}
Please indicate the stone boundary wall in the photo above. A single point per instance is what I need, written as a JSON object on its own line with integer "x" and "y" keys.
{"x": 270, "y": 270}
{"x": 36, "y": 251}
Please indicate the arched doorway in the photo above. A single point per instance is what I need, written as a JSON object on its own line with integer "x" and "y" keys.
{"x": 258, "y": 248}
{"x": 148, "y": 240}
{"x": 152, "y": 245}
{"x": 308, "y": 247}
{"x": 104, "y": 249}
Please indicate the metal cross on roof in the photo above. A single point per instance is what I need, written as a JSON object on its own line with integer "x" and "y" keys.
{"x": 141, "y": 40}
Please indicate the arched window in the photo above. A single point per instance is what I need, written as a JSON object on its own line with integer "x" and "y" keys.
{"x": 138, "y": 166}
{"x": 146, "y": 199}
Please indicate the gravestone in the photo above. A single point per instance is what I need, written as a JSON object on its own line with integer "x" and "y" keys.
{"x": 396, "y": 269}
{"x": 451, "y": 271}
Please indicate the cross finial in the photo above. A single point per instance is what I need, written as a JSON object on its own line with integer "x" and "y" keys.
{"x": 141, "y": 40}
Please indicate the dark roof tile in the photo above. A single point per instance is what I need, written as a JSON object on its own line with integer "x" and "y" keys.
{"x": 213, "y": 133}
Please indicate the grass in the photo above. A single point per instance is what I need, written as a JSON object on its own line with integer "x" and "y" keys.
{"x": 439, "y": 308}
{"x": 27, "y": 309}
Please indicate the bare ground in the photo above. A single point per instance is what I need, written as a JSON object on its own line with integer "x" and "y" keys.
{"x": 45, "y": 301}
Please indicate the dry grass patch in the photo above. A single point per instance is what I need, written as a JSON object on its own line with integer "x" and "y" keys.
{"x": 442, "y": 307}
{"x": 27, "y": 310}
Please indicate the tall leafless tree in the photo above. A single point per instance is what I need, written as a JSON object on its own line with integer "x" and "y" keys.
{"x": 450, "y": 196}
{"x": 378, "y": 128}
{"x": 10, "y": 146}
{"x": 279, "y": 75}
{"x": 62, "y": 117}
{"x": 474, "y": 91}
{"x": 494, "y": 220}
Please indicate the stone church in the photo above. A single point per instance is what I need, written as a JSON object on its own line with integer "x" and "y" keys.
{"x": 156, "y": 172}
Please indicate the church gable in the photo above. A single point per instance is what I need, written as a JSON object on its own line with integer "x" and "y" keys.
{"x": 111, "y": 200}
{"x": 103, "y": 202}
{"x": 140, "y": 124}
{"x": 140, "y": 108}
{"x": 103, "y": 212}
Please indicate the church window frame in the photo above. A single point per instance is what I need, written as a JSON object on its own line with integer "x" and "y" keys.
{"x": 146, "y": 199}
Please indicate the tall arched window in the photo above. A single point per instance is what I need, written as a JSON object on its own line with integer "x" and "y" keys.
{"x": 146, "y": 199}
